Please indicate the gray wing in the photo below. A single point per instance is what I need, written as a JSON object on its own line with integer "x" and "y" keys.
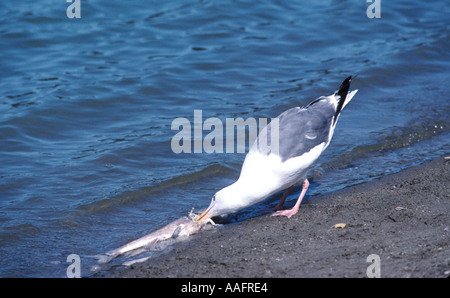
{"x": 302, "y": 129}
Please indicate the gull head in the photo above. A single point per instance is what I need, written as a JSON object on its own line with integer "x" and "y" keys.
{"x": 225, "y": 201}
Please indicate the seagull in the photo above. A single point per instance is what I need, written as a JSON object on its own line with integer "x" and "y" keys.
{"x": 303, "y": 134}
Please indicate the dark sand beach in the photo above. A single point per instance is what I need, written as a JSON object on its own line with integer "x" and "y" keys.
{"x": 402, "y": 217}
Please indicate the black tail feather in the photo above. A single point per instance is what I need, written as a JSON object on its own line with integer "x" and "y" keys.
{"x": 342, "y": 92}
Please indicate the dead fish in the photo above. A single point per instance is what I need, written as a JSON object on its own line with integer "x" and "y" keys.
{"x": 182, "y": 227}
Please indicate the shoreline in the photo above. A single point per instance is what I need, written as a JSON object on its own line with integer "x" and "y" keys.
{"x": 402, "y": 217}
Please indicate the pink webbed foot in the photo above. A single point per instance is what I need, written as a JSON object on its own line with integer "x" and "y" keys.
{"x": 288, "y": 213}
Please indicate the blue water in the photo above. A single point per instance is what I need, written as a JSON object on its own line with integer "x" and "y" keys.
{"x": 86, "y": 107}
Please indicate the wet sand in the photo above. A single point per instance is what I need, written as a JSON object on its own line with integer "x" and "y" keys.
{"x": 403, "y": 218}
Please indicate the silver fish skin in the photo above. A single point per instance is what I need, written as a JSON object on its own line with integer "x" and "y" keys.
{"x": 181, "y": 227}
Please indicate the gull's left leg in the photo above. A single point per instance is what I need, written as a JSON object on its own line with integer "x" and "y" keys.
{"x": 280, "y": 204}
{"x": 294, "y": 209}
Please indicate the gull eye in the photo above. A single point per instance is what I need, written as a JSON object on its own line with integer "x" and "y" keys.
{"x": 214, "y": 198}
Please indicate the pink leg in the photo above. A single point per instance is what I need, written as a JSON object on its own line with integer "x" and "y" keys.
{"x": 294, "y": 209}
{"x": 280, "y": 204}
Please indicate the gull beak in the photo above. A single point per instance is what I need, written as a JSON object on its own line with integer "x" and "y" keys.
{"x": 203, "y": 216}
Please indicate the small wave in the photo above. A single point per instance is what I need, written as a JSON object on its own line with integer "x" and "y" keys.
{"x": 141, "y": 194}
{"x": 394, "y": 139}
